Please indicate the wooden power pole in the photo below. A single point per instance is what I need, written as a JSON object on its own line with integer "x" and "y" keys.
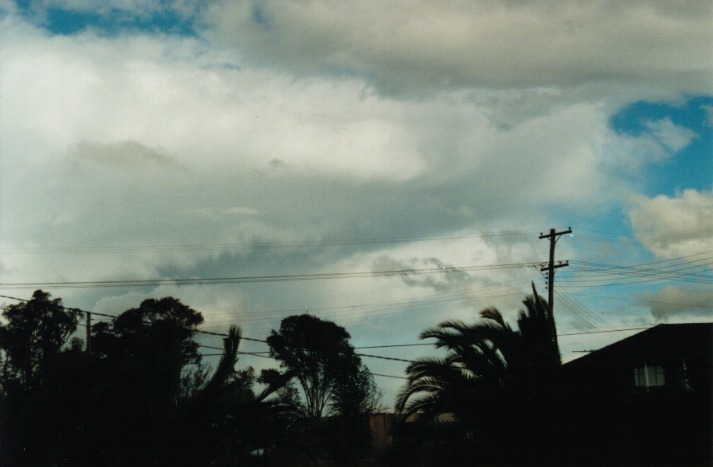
{"x": 551, "y": 266}
{"x": 89, "y": 333}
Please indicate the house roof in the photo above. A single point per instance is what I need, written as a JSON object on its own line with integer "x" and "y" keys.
{"x": 660, "y": 343}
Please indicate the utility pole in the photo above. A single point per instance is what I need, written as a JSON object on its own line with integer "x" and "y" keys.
{"x": 89, "y": 333}
{"x": 551, "y": 266}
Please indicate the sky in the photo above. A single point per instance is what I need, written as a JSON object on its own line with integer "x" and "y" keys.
{"x": 384, "y": 165}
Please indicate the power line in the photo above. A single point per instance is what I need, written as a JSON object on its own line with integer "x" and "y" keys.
{"x": 605, "y": 331}
{"x": 253, "y": 279}
{"x": 628, "y": 240}
{"x": 367, "y": 347}
{"x": 257, "y": 354}
{"x": 389, "y": 376}
{"x": 113, "y": 317}
{"x": 380, "y": 357}
{"x": 210, "y": 347}
{"x": 382, "y": 308}
{"x": 682, "y": 269}
{"x": 442, "y": 297}
{"x": 250, "y": 245}
{"x": 385, "y": 358}
{"x": 582, "y": 310}
{"x": 391, "y": 346}
{"x": 694, "y": 269}
{"x": 645, "y": 301}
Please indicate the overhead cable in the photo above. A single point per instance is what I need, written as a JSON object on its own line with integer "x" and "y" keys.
{"x": 253, "y": 279}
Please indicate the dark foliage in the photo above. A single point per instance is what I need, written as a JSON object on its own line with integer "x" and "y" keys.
{"x": 316, "y": 354}
{"x": 499, "y": 395}
{"x": 331, "y": 380}
{"x": 492, "y": 397}
{"x": 142, "y": 397}
{"x": 32, "y": 358}
{"x": 354, "y": 393}
{"x": 33, "y": 334}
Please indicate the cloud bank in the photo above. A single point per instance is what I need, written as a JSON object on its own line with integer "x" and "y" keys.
{"x": 421, "y": 45}
{"x": 301, "y": 137}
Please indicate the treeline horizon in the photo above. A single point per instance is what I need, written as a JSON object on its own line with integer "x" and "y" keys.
{"x": 139, "y": 393}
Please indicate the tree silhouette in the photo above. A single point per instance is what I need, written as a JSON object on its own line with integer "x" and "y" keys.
{"x": 337, "y": 391}
{"x": 33, "y": 339}
{"x": 134, "y": 380}
{"x": 142, "y": 397}
{"x": 226, "y": 418}
{"x": 32, "y": 334}
{"x": 354, "y": 393}
{"x": 495, "y": 384}
{"x": 315, "y": 353}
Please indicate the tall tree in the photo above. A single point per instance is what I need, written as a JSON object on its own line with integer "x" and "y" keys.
{"x": 315, "y": 353}
{"x": 143, "y": 356}
{"x": 336, "y": 388}
{"x": 33, "y": 338}
{"x": 32, "y": 334}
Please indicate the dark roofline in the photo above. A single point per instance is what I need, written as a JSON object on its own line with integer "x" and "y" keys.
{"x": 639, "y": 342}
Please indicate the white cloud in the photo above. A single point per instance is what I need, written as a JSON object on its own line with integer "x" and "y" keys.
{"x": 660, "y": 140}
{"x": 709, "y": 115}
{"x": 669, "y": 135}
{"x": 341, "y": 151}
{"x": 109, "y": 91}
{"x": 433, "y": 297}
{"x": 674, "y": 226}
{"x": 673, "y": 303}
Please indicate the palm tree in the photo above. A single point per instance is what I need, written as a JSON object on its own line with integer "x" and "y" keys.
{"x": 530, "y": 353}
{"x": 490, "y": 381}
{"x": 225, "y": 418}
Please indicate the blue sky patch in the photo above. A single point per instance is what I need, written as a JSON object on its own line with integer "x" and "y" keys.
{"x": 62, "y": 21}
{"x": 692, "y": 166}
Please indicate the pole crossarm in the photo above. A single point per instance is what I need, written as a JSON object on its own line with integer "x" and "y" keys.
{"x": 553, "y": 236}
{"x": 560, "y": 264}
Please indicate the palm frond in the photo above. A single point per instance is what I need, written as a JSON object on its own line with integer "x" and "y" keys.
{"x": 228, "y": 360}
{"x": 493, "y": 314}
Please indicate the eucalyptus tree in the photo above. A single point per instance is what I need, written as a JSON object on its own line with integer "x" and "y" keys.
{"x": 317, "y": 354}
{"x": 333, "y": 391}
